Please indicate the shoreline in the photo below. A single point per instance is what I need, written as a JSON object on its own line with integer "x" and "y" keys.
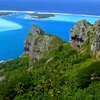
{"x": 4, "y": 61}
{"x": 40, "y": 12}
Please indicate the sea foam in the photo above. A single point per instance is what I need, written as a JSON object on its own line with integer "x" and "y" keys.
{"x": 60, "y": 16}
{"x": 71, "y": 17}
{"x": 66, "y": 17}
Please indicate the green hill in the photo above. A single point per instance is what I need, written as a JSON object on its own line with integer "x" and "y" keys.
{"x": 60, "y": 72}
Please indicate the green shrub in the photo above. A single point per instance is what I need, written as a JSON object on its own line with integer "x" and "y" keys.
{"x": 89, "y": 74}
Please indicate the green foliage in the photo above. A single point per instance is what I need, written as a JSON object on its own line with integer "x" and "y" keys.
{"x": 63, "y": 74}
{"x": 89, "y": 75}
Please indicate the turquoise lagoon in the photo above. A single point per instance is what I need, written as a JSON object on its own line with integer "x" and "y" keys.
{"x": 14, "y": 28}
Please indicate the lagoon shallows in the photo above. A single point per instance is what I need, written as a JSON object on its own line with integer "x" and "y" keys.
{"x": 14, "y": 28}
{"x": 6, "y": 25}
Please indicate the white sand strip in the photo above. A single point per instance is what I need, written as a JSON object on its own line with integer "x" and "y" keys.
{"x": 6, "y": 25}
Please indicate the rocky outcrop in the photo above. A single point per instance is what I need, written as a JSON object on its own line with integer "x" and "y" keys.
{"x": 79, "y": 33}
{"x": 95, "y": 46}
{"x": 38, "y": 42}
{"x": 82, "y": 31}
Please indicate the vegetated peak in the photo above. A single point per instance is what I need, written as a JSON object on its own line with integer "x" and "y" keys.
{"x": 86, "y": 37}
{"x": 38, "y": 42}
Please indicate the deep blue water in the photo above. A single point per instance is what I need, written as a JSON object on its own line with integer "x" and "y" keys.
{"x": 67, "y": 6}
{"x": 12, "y": 42}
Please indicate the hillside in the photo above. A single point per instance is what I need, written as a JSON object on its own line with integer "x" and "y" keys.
{"x": 56, "y": 71}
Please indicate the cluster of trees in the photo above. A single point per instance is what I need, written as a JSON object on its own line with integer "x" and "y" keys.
{"x": 63, "y": 74}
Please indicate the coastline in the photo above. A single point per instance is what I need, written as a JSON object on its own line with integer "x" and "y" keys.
{"x": 4, "y": 61}
{"x": 57, "y": 17}
{"x": 39, "y": 12}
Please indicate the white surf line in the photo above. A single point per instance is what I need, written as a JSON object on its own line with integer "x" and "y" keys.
{"x": 39, "y": 12}
{"x": 16, "y": 11}
{"x": 60, "y": 16}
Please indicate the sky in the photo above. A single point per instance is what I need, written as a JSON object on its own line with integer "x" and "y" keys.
{"x": 67, "y": 6}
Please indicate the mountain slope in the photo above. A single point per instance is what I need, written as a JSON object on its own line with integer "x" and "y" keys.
{"x": 62, "y": 73}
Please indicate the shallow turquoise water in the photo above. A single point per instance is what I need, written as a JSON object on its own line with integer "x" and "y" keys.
{"x": 75, "y": 18}
{"x": 15, "y": 27}
{"x": 12, "y": 41}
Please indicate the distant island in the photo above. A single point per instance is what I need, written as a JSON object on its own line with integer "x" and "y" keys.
{"x": 39, "y": 16}
{"x": 5, "y": 13}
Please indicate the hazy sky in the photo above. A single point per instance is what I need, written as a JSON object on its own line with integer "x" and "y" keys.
{"x": 70, "y": 6}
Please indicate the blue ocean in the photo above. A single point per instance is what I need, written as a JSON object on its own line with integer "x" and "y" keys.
{"x": 14, "y": 28}
{"x": 87, "y": 7}
{"x": 12, "y": 41}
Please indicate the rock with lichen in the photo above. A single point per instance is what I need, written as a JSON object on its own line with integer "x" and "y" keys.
{"x": 95, "y": 46}
{"x": 38, "y": 42}
{"x": 80, "y": 33}
{"x": 85, "y": 33}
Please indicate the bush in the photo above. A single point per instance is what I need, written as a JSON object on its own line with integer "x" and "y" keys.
{"x": 88, "y": 75}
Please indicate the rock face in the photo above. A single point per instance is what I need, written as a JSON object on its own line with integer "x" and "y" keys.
{"x": 83, "y": 31}
{"x": 79, "y": 33}
{"x": 37, "y": 43}
{"x": 95, "y": 46}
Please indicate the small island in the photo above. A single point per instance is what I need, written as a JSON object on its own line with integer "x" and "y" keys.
{"x": 5, "y": 13}
{"x": 41, "y": 16}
